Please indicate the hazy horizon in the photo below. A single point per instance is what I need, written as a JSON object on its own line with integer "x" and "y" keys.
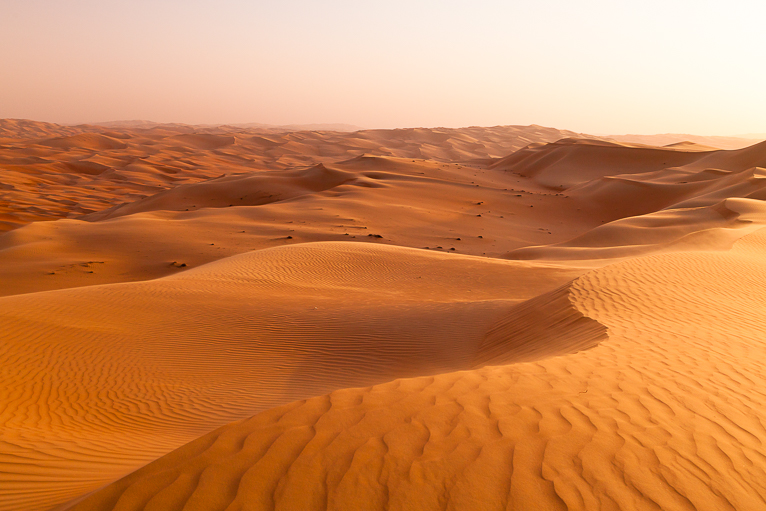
{"x": 350, "y": 127}
{"x": 593, "y": 67}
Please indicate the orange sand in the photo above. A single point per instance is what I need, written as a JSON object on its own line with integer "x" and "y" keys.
{"x": 492, "y": 318}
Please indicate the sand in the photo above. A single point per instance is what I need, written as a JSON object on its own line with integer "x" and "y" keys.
{"x": 711, "y": 142}
{"x": 484, "y": 318}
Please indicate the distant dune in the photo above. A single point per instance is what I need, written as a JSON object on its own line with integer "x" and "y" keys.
{"x": 52, "y": 171}
{"x": 737, "y": 142}
{"x": 513, "y": 317}
{"x": 139, "y": 124}
{"x": 757, "y": 136}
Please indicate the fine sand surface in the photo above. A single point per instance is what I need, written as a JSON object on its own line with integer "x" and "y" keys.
{"x": 479, "y": 318}
{"x": 665, "y": 414}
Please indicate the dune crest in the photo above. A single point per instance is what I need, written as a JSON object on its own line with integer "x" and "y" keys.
{"x": 545, "y": 326}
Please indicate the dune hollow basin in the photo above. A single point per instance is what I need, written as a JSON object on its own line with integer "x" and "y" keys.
{"x": 517, "y": 317}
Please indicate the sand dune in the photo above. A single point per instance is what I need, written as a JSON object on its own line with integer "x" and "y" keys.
{"x": 251, "y": 190}
{"x": 573, "y": 161}
{"x": 735, "y": 142}
{"x": 491, "y": 318}
{"x": 85, "y": 141}
{"x": 109, "y": 377}
{"x": 664, "y": 414}
{"x": 714, "y": 227}
{"x": 459, "y": 208}
{"x": 545, "y": 326}
{"x": 126, "y": 162}
{"x": 714, "y": 196}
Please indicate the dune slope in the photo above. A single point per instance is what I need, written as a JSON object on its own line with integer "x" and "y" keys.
{"x": 99, "y": 380}
{"x": 664, "y": 414}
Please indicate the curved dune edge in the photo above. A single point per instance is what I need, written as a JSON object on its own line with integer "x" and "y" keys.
{"x": 545, "y": 326}
{"x": 252, "y": 189}
{"x": 715, "y": 227}
{"x": 665, "y": 414}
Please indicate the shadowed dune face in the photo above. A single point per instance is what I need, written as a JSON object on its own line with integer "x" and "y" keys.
{"x": 572, "y": 161}
{"x": 85, "y": 141}
{"x": 250, "y": 190}
{"x": 544, "y": 326}
{"x": 601, "y": 302}
{"x": 713, "y": 227}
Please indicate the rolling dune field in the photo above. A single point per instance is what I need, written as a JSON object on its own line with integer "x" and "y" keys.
{"x": 239, "y": 317}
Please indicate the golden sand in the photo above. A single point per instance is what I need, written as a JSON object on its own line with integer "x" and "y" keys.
{"x": 484, "y": 318}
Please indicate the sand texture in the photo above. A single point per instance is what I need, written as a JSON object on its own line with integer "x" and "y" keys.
{"x": 236, "y": 318}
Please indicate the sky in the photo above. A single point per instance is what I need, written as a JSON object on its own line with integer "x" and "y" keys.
{"x": 593, "y": 66}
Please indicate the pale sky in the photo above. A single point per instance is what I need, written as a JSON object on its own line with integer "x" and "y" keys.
{"x": 591, "y": 66}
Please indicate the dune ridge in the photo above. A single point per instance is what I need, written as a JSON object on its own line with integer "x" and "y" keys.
{"x": 735, "y": 142}
{"x": 542, "y": 327}
{"x": 715, "y": 227}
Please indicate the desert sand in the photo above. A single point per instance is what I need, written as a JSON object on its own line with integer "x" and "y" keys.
{"x": 244, "y": 317}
